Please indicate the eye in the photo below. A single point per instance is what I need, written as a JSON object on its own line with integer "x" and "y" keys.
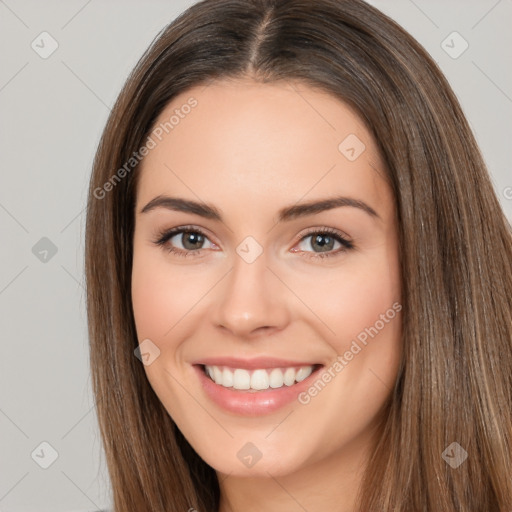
{"x": 184, "y": 241}
{"x": 188, "y": 241}
{"x": 323, "y": 241}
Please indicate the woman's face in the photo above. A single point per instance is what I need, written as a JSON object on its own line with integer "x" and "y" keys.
{"x": 285, "y": 262}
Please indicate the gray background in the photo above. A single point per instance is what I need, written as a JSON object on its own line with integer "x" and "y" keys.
{"x": 52, "y": 113}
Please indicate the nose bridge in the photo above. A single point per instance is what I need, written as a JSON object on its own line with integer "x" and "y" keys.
{"x": 251, "y": 297}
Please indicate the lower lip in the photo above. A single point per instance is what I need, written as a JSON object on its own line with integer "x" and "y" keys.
{"x": 252, "y": 403}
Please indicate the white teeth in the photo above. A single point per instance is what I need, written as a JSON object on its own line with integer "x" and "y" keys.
{"x": 217, "y": 375}
{"x": 227, "y": 378}
{"x": 241, "y": 379}
{"x": 258, "y": 380}
{"x": 289, "y": 376}
{"x": 303, "y": 373}
{"x": 276, "y": 378}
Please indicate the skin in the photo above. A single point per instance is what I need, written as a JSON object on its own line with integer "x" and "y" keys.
{"x": 251, "y": 149}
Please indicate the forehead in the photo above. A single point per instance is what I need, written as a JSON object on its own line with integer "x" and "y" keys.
{"x": 239, "y": 139}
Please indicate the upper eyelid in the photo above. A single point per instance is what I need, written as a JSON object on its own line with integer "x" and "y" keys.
{"x": 166, "y": 235}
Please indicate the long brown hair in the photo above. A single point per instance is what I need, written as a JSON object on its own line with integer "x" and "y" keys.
{"x": 455, "y": 380}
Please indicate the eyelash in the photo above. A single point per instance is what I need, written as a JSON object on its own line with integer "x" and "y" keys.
{"x": 166, "y": 235}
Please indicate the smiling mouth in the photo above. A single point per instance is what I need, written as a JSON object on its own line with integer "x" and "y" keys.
{"x": 262, "y": 379}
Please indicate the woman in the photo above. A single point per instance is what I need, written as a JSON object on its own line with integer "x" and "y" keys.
{"x": 299, "y": 275}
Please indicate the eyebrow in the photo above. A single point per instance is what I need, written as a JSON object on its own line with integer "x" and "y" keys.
{"x": 288, "y": 213}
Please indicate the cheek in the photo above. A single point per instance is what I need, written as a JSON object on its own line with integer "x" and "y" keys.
{"x": 154, "y": 301}
{"x": 353, "y": 297}
{"x": 359, "y": 308}
{"x": 160, "y": 296}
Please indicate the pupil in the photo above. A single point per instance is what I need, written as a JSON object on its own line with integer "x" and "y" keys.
{"x": 190, "y": 240}
{"x": 324, "y": 246}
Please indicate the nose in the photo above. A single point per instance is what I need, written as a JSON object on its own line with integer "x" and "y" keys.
{"x": 252, "y": 300}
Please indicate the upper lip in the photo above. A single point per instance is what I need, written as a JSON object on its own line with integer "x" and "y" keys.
{"x": 253, "y": 363}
